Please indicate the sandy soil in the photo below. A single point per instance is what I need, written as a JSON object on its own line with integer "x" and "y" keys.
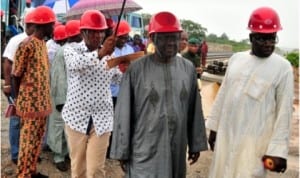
{"x": 198, "y": 170}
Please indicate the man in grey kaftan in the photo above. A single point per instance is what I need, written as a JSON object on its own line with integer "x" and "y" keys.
{"x": 159, "y": 113}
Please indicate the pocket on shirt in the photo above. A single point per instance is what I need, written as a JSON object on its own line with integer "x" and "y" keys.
{"x": 257, "y": 88}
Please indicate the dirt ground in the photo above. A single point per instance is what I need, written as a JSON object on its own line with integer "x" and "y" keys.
{"x": 198, "y": 170}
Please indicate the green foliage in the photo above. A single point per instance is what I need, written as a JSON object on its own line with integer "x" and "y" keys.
{"x": 293, "y": 58}
{"x": 223, "y": 39}
{"x": 194, "y": 29}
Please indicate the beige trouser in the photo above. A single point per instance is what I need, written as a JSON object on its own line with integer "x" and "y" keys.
{"x": 87, "y": 153}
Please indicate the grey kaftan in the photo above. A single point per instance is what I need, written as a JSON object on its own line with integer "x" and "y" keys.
{"x": 158, "y": 114}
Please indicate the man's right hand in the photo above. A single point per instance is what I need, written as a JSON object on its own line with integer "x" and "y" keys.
{"x": 108, "y": 46}
{"x": 212, "y": 139}
{"x": 6, "y": 90}
{"x": 123, "y": 164}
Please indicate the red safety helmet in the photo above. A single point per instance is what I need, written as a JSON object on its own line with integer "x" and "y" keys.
{"x": 264, "y": 20}
{"x": 57, "y": 23}
{"x": 59, "y": 33}
{"x": 29, "y": 16}
{"x": 43, "y": 15}
{"x": 124, "y": 28}
{"x": 164, "y": 22}
{"x": 72, "y": 28}
{"x": 93, "y": 20}
{"x": 1, "y": 13}
{"x": 110, "y": 23}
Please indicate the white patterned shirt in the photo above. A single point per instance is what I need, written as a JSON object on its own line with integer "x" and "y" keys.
{"x": 88, "y": 94}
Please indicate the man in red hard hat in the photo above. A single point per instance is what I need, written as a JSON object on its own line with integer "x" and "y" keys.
{"x": 158, "y": 116}
{"x": 56, "y": 139}
{"x": 32, "y": 89}
{"x": 250, "y": 119}
{"x": 8, "y": 55}
{"x": 88, "y": 110}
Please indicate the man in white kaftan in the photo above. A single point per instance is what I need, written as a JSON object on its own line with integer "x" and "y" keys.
{"x": 250, "y": 118}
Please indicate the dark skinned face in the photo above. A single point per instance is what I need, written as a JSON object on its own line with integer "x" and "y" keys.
{"x": 167, "y": 44}
{"x": 122, "y": 40}
{"x": 263, "y": 44}
{"x": 93, "y": 38}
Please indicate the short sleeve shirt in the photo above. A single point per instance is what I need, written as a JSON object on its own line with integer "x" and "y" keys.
{"x": 32, "y": 66}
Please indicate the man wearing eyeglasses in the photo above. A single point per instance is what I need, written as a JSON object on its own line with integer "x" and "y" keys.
{"x": 250, "y": 120}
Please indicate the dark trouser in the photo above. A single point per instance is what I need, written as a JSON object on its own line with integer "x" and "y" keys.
{"x": 14, "y": 132}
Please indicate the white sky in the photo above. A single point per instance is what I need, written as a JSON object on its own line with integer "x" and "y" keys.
{"x": 230, "y": 16}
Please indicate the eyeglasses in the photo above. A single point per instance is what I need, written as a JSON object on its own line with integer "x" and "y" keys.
{"x": 263, "y": 39}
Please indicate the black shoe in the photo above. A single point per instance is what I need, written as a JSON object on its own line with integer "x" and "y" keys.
{"x": 62, "y": 166}
{"x": 15, "y": 161}
{"x": 39, "y": 175}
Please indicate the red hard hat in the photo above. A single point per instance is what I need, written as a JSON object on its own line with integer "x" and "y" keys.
{"x": 110, "y": 23}
{"x": 164, "y": 22}
{"x": 124, "y": 28}
{"x": 57, "y": 23}
{"x": 264, "y": 20}
{"x": 43, "y": 15}
{"x": 59, "y": 33}
{"x": 93, "y": 20}
{"x": 72, "y": 28}
{"x": 29, "y": 16}
{"x": 1, "y": 13}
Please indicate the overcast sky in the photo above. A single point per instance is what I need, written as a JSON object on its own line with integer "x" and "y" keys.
{"x": 230, "y": 16}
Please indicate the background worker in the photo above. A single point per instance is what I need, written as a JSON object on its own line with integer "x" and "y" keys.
{"x": 56, "y": 138}
{"x": 191, "y": 54}
{"x": 122, "y": 48}
{"x": 183, "y": 45}
{"x": 204, "y": 50}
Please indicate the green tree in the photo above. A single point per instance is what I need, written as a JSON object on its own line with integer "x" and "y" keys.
{"x": 224, "y": 37}
{"x": 195, "y": 30}
{"x": 293, "y": 58}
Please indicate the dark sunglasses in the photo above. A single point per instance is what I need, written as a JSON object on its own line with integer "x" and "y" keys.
{"x": 263, "y": 39}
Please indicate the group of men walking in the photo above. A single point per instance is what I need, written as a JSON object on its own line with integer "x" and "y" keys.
{"x": 158, "y": 115}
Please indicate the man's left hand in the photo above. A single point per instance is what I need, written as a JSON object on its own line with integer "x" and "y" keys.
{"x": 123, "y": 164}
{"x": 123, "y": 66}
{"x": 193, "y": 157}
{"x": 275, "y": 164}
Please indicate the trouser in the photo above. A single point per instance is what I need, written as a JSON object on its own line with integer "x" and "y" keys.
{"x": 14, "y": 131}
{"x": 14, "y": 136}
{"x": 32, "y": 132}
{"x": 87, "y": 153}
